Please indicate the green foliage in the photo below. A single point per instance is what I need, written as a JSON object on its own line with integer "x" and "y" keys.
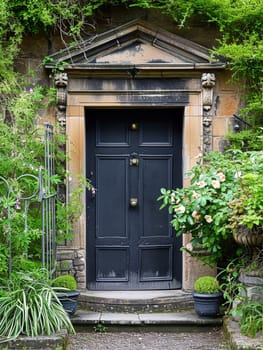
{"x": 21, "y": 152}
{"x": 229, "y": 283}
{"x": 251, "y": 322}
{"x": 206, "y": 285}
{"x": 249, "y": 312}
{"x": 67, "y": 212}
{"x": 65, "y": 281}
{"x": 247, "y": 204}
{"x": 30, "y": 307}
{"x": 247, "y": 140}
{"x": 100, "y": 328}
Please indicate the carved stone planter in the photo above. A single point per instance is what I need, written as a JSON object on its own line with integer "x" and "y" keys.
{"x": 249, "y": 237}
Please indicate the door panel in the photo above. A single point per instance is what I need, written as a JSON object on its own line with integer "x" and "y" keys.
{"x": 150, "y": 267}
{"x": 155, "y": 171}
{"x": 111, "y": 219}
{"x": 131, "y": 154}
{"x": 112, "y": 264}
{"x": 156, "y": 133}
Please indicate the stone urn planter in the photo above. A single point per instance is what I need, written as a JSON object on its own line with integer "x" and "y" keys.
{"x": 252, "y": 276}
{"x": 252, "y": 238}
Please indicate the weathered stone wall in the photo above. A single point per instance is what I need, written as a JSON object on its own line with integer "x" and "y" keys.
{"x": 72, "y": 261}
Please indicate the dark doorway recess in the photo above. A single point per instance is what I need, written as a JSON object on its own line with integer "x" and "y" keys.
{"x": 130, "y": 155}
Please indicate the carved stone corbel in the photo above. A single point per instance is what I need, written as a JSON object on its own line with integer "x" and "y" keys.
{"x": 208, "y": 83}
{"x": 61, "y": 83}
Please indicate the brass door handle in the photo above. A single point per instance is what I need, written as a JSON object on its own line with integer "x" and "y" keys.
{"x": 133, "y": 202}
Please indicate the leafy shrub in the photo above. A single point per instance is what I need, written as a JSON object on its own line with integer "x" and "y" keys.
{"x": 203, "y": 208}
{"x": 206, "y": 285}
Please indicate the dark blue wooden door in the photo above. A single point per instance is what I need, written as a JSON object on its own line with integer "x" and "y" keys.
{"x": 131, "y": 154}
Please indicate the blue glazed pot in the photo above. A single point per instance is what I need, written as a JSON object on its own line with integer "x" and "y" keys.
{"x": 69, "y": 301}
{"x": 207, "y": 305}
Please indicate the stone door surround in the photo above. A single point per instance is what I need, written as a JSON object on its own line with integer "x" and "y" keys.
{"x": 132, "y": 66}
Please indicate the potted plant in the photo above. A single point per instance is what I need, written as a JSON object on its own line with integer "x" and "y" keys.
{"x": 207, "y": 296}
{"x": 67, "y": 293}
{"x": 29, "y": 307}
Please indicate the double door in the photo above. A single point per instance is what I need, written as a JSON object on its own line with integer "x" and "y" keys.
{"x": 130, "y": 155}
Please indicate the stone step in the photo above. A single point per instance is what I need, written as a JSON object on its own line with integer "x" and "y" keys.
{"x": 135, "y": 301}
{"x": 186, "y": 318}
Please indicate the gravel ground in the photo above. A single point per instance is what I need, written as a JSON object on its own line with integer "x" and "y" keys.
{"x": 210, "y": 339}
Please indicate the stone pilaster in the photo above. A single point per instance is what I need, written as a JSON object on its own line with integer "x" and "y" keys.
{"x": 61, "y": 83}
{"x": 208, "y": 83}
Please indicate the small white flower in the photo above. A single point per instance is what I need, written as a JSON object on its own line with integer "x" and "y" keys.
{"x": 208, "y": 219}
{"x": 196, "y": 195}
{"x": 201, "y": 184}
{"x": 215, "y": 184}
{"x": 172, "y": 198}
{"x": 237, "y": 175}
{"x": 180, "y": 209}
{"x": 196, "y": 215}
{"x": 222, "y": 177}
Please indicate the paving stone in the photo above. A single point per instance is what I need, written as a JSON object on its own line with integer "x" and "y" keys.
{"x": 178, "y": 318}
{"x": 116, "y": 318}
{"x": 83, "y": 317}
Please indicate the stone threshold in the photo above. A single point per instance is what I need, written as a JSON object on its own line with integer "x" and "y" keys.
{"x": 135, "y": 301}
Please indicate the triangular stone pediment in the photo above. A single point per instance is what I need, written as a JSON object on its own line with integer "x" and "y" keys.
{"x": 138, "y": 52}
{"x": 135, "y": 44}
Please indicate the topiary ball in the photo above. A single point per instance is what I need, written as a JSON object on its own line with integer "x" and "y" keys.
{"x": 65, "y": 281}
{"x": 206, "y": 285}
